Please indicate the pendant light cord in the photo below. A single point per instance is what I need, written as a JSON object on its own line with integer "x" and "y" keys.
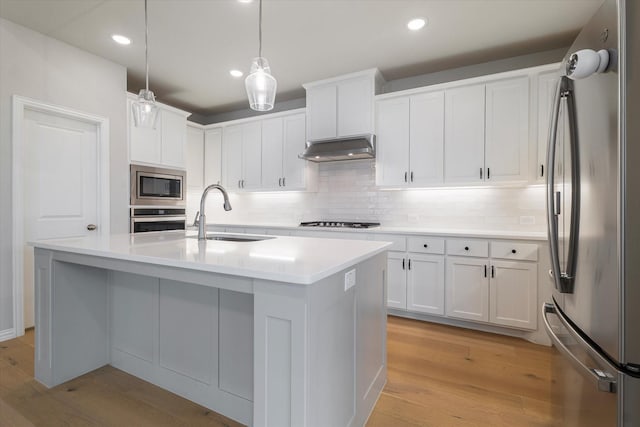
{"x": 146, "y": 45}
{"x": 259, "y": 30}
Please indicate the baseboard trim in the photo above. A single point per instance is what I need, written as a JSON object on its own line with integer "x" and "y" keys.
{"x": 8, "y": 334}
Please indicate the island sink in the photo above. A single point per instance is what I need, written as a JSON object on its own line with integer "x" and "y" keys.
{"x": 234, "y": 238}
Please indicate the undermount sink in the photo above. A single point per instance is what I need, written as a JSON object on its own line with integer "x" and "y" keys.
{"x": 234, "y": 237}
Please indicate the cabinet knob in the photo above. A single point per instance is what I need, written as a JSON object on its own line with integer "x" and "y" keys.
{"x": 425, "y": 245}
{"x": 466, "y": 248}
{"x": 91, "y": 227}
{"x": 513, "y": 251}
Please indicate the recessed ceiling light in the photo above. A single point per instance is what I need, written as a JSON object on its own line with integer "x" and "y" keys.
{"x": 245, "y": 1}
{"x": 121, "y": 39}
{"x": 416, "y": 24}
{"x": 236, "y": 73}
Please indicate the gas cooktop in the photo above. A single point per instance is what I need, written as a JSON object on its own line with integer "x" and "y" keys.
{"x": 339, "y": 224}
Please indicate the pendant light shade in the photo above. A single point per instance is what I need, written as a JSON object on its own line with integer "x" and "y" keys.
{"x": 260, "y": 84}
{"x": 145, "y": 109}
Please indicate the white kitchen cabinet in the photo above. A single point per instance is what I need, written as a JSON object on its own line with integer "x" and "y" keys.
{"x": 507, "y": 130}
{"x": 342, "y": 106}
{"x": 467, "y": 288}
{"x": 464, "y": 134}
{"x": 195, "y": 157}
{"x": 283, "y": 138}
{"x": 513, "y": 294}
{"x": 212, "y": 156}
{"x": 163, "y": 146}
{"x": 242, "y": 155}
{"x": 396, "y": 280}
{"x": 173, "y": 135}
{"x": 392, "y": 131}
{"x": 410, "y": 132}
{"x": 547, "y": 83}
{"x": 425, "y": 284}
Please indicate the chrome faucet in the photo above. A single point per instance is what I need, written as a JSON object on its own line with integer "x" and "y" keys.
{"x": 202, "y": 223}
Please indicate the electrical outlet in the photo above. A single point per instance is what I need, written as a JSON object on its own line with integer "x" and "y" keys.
{"x": 349, "y": 279}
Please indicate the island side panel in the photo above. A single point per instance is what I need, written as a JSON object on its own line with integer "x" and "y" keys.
{"x": 280, "y": 355}
{"x": 347, "y": 345}
{"x": 72, "y": 319}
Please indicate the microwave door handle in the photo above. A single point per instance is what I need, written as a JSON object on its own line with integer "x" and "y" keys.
{"x": 552, "y": 209}
{"x": 604, "y": 381}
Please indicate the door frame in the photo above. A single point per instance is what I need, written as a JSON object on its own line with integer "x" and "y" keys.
{"x": 20, "y": 104}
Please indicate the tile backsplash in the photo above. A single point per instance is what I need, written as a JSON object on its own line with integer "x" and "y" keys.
{"x": 347, "y": 191}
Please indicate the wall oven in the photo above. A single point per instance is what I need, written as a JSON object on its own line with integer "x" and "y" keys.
{"x": 152, "y": 186}
{"x": 155, "y": 219}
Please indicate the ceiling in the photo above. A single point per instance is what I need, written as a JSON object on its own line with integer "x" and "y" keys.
{"x": 194, "y": 43}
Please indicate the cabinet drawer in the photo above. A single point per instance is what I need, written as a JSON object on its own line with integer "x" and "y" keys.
{"x": 514, "y": 250}
{"x": 425, "y": 245}
{"x": 465, "y": 247}
{"x": 399, "y": 242}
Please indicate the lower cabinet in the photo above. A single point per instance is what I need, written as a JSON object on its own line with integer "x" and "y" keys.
{"x": 502, "y": 292}
{"x": 467, "y": 289}
{"x": 425, "y": 283}
{"x": 396, "y": 280}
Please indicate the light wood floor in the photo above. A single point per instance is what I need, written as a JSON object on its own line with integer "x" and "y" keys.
{"x": 437, "y": 376}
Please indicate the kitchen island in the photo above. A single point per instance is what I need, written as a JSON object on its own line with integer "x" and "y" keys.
{"x": 283, "y": 331}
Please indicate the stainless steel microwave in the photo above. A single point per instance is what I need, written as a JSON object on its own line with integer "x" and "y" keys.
{"x": 151, "y": 186}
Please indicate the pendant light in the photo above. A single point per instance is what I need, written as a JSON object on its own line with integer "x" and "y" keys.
{"x": 260, "y": 84}
{"x": 145, "y": 109}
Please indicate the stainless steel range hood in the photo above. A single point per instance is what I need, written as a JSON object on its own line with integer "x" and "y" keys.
{"x": 351, "y": 148}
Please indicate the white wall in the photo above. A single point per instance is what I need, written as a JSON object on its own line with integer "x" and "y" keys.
{"x": 39, "y": 67}
{"x": 347, "y": 191}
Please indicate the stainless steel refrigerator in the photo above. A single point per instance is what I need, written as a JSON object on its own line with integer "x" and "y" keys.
{"x": 593, "y": 204}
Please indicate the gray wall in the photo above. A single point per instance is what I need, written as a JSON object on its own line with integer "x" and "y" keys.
{"x": 42, "y": 68}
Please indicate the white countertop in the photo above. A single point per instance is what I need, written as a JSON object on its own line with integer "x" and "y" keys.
{"x": 300, "y": 260}
{"x": 487, "y": 234}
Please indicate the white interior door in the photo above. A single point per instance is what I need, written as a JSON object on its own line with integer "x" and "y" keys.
{"x": 61, "y": 185}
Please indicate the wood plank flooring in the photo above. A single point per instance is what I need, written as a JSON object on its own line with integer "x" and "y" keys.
{"x": 437, "y": 376}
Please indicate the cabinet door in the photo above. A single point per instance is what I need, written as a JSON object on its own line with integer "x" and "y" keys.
{"x": 232, "y": 157}
{"x": 144, "y": 143}
{"x": 392, "y": 159}
{"x": 212, "y": 156}
{"x": 467, "y": 288}
{"x": 355, "y": 107}
{"x": 251, "y": 155}
{"x": 272, "y": 143}
{"x": 426, "y": 134}
{"x": 396, "y": 280}
{"x": 195, "y": 158}
{"x": 174, "y": 134}
{"x": 546, "y": 89}
{"x": 293, "y": 167}
{"x": 513, "y": 294}
{"x": 425, "y": 284}
{"x": 321, "y": 112}
{"x": 464, "y": 135}
{"x": 507, "y": 130}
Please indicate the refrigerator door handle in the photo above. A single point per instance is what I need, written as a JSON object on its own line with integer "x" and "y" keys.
{"x": 563, "y": 281}
{"x": 603, "y": 380}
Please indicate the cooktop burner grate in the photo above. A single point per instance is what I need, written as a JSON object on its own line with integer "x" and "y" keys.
{"x": 339, "y": 224}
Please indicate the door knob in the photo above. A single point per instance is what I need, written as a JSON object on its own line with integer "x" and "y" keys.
{"x": 91, "y": 227}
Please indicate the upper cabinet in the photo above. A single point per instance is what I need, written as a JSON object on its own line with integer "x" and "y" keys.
{"x": 342, "y": 106}
{"x": 261, "y": 154}
{"x": 547, "y": 83}
{"x": 478, "y": 131}
{"x": 410, "y": 132}
{"x": 195, "y": 161}
{"x": 162, "y": 146}
{"x": 212, "y": 156}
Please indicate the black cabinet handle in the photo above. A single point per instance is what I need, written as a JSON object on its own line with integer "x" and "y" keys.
{"x": 411, "y": 176}
{"x": 513, "y": 251}
{"x": 466, "y": 248}
{"x": 541, "y": 171}
{"x": 480, "y": 173}
{"x": 488, "y": 173}
{"x": 405, "y": 177}
{"x": 403, "y": 263}
{"x": 409, "y": 263}
{"x": 284, "y": 181}
{"x": 493, "y": 272}
{"x": 425, "y": 245}
{"x": 485, "y": 271}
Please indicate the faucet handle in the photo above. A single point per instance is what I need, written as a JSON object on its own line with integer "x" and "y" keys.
{"x": 196, "y": 220}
